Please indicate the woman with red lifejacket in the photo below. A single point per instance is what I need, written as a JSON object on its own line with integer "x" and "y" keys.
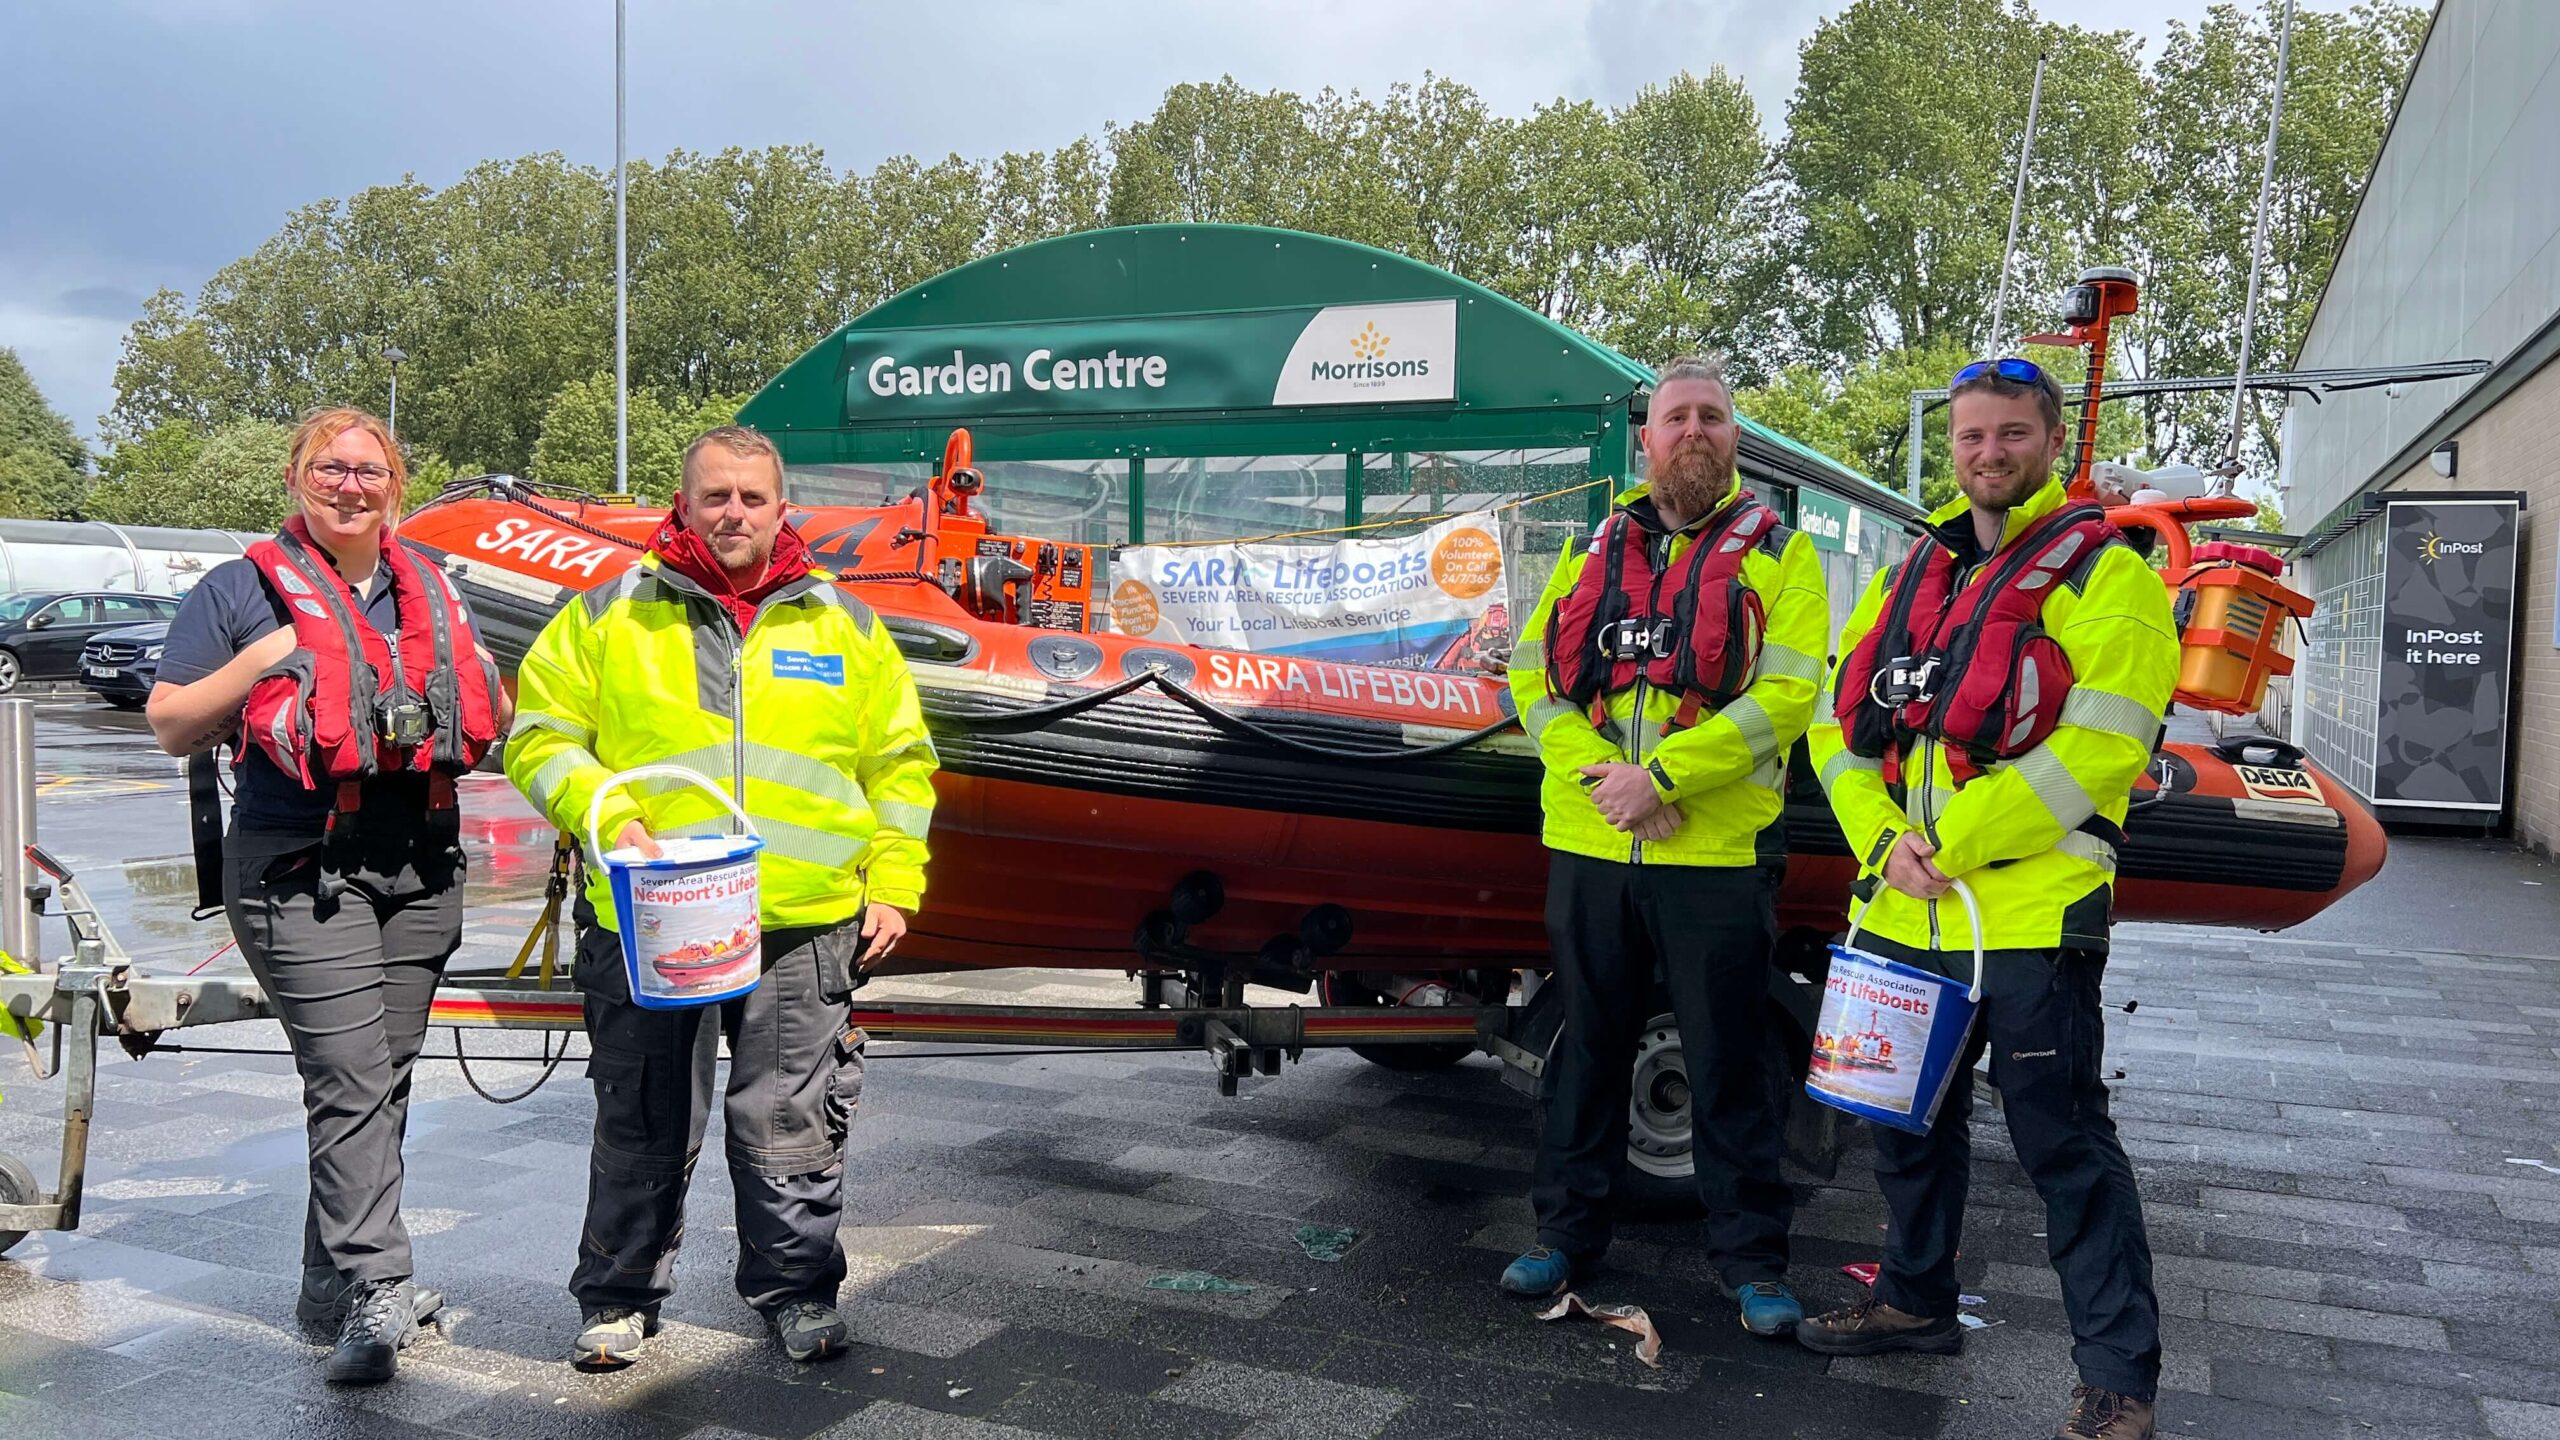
{"x": 352, "y": 685}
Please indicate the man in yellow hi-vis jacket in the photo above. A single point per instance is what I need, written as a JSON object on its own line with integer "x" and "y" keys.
{"x": 726, "y": 652}
{"x": 2033, "y": 836}
{"x": 1664, "y": 674}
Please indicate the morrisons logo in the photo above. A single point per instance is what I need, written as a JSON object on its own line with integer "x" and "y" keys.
{"x": 1366, "y": 369}
{"x": 1368, "y": 362}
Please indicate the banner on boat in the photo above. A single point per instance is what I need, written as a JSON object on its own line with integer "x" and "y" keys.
{"x": 1431, "y": 601}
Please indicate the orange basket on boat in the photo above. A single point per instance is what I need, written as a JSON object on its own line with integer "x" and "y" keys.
{"x": 2231, "y": 612}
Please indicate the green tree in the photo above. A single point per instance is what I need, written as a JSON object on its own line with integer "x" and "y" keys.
{"x": 1694, "y": 271}
{"x": 166, "y": 449}
{"x": 1860, "y": 417}
{"x": 1900, "y": 156}
{"x": 1216, "y": 153}
{"x": 43, "y": 465}
{"x": 2205, "y": 132}
{"x": 233, "y": 480}
{"x": 1863, "y": 418}
{"x": 576, "y": 448}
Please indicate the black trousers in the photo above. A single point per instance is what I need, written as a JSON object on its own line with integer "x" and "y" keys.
{"x": 1711, "y": 931}
{"x": 352, "y": 975}
{"x": 786, "y": 1111}
{"x": 2043, "y": 1023}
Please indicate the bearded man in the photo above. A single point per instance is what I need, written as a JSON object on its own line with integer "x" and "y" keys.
{"x": 1665, "y": 674}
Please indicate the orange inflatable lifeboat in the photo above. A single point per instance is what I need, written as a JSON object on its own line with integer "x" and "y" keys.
{"x": 1114, "y": 804}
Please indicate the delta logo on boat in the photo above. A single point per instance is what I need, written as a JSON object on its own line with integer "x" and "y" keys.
{"x": 1373, "y": 354}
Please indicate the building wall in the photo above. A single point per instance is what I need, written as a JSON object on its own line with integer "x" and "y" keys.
{"x": 2455, "y": 252}
{"x": 2515, "y": 446}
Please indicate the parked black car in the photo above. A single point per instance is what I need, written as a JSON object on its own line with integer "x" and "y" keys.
{"x": 123, "y": 665}
{"x": 43, "y": 633}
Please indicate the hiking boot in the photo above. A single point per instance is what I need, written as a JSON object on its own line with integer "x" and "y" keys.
{"x": 808, "y": 1330}
{"x": 321, "y": 1305}
{"x": 1769, "y": 1308}
{"x": 381, "y": 1320}
{"x": 1872, "y": 1327}
{"x": 1540, "y": 1273}
{"x": 612, "y": 1338}
{"x": 2105, "y": 1415}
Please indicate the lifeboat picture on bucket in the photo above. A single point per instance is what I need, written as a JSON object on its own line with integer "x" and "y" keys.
{"x": 1868, "y": 1049}
{"x": 698, "y": 964}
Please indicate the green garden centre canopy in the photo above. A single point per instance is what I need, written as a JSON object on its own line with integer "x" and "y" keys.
{"x": 1166, "y": 382}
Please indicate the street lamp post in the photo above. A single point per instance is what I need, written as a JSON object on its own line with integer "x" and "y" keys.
{"x": 392, "y": 353}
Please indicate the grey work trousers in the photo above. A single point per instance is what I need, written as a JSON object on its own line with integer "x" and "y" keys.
{"x": 794, "y": 1077}
{"x": 351, "y": 976}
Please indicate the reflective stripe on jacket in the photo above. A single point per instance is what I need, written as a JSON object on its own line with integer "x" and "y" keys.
{"x": 2012, "y": 834}
{"x": 811, "y": 721}
{"x": 1727, "y": 773}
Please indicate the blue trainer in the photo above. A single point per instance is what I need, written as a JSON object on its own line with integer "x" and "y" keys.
{"x": 1769, "y": 1308}
{"x": 1541, "y": 1272}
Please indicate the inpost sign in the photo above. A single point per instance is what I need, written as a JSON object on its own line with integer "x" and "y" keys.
{"x": 1330, "y": 355}
{"x": 2448, "y": 623}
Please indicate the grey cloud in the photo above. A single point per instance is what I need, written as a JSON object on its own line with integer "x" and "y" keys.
{"x": 99, "y": 302}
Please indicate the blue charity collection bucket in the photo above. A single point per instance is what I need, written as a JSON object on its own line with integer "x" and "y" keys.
{"x": 691, "y": 930}
{"x": 1891, "y": 1035}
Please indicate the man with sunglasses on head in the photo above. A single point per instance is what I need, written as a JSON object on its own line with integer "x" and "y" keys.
{"x": 1664, "y": 675}
{"x": 1993, "y": 700}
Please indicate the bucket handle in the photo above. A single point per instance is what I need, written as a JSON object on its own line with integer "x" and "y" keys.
{"x": 613, "y": 782}
{"x": 1972, "y": 912}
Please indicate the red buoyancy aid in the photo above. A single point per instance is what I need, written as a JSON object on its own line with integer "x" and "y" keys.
{"x": 1971, "y": 667}
{"x": 352, "y": 703}
{"x": 1691, "y": 627}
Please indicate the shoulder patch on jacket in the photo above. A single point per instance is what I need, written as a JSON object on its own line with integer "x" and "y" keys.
{"x": 600, "y": 598}
{"x": 830, "y": 593}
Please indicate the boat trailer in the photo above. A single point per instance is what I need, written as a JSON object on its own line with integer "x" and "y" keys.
{"x": 97, "y": 995}
{"x": 91, "y": 998}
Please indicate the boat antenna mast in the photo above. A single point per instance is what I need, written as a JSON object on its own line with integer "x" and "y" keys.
{"x": 2089, "y": 307}
{"x": 2229, "y": 470}
{"x": 2017, "y": 208}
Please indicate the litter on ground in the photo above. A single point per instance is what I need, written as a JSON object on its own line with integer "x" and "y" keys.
{"x": 1630, "y": 1318}
{"x": 1198, "y": 1282}
{"x": 1328, "y": 1243}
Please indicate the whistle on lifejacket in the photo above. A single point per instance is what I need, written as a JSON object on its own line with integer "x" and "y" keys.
{"x": 1636, "y": 640}
{"x": 1904, "y": 680}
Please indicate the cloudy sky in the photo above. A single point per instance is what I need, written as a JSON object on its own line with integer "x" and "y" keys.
{"x": 146, "y": 143}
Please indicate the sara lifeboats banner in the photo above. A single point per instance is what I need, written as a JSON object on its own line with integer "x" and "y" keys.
{"x": 1433, "y": 600}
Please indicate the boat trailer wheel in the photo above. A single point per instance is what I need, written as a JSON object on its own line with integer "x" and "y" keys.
{"x": 17, "y": 1187}
{"x": 1658, "y": 1104}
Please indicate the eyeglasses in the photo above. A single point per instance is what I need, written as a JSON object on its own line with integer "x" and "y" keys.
{"x": 2023, "y": 372}
{"x": 334, "y": 475}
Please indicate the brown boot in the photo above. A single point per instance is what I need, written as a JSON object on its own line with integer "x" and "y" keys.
{"x": 2105, "y": 1415}
{"x": 1872, "y": 1327}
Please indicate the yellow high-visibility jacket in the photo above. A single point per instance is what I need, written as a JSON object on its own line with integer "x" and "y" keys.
{"x": 2012, "y": 834}
{"x": 811, "y": 723}
{"x": 1727, "y": 773}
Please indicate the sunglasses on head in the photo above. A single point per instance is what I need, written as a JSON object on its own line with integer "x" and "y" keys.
{"x": 2023, "y": 372}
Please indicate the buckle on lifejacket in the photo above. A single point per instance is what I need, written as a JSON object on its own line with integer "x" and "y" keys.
{"x": 1904, "y": 680}
{"x": 1636, "y": 638}
{"x": 404, "y": 722}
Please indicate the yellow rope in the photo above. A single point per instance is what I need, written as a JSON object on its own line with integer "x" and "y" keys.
{"x": 546, "y": 930}
{"x": 1370, "y": 524}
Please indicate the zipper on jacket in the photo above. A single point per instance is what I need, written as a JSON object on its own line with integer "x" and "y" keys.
{"x": 1928, "y": 816}
{"x": 738, "y": 724}
{"x": 1636, "y": 725}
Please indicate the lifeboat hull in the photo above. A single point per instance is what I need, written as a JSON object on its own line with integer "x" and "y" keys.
{"x": 1067, "y": 816}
